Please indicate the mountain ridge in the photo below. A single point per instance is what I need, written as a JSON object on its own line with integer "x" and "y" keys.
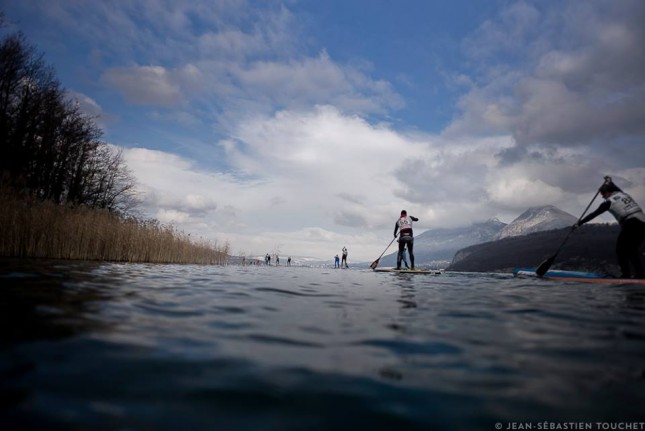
{"x": 591, "y": 248}
{"x": 537, "y": 219}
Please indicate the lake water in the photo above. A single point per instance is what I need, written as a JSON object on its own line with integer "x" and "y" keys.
{"x": 89, "y": 346}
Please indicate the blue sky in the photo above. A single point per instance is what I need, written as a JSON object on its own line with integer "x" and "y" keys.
{"x": 300, "y": 127}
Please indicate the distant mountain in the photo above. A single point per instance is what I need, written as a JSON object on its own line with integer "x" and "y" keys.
{"x": 590, "y": 248}
{"x": 537, "y": 219}
{"x": 436, "y": 247}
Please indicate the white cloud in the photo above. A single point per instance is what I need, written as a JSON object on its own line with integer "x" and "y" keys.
{"x": 520, "y": 192}
{"x": 309, "y": 81}
{"x": 154, "y": 85}
{"x": 231, "y": 44}
{"x": 172, "y": 216}
{"x": 322, "y": 149}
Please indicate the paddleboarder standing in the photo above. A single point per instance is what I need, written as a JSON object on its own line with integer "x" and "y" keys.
{"x": 631, "y": 218}
{"x": 404, "y": 226}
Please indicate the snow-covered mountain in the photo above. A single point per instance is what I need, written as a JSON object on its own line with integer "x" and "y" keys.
{"x": 537, "y": 219}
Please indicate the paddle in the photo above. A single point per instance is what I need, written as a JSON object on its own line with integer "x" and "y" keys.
{"x": 544, "y": 266}
{"x": 375, "y": 263}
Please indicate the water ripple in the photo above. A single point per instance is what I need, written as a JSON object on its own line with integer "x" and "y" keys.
{"x": 290, "y": 292}
{"x": 166, "y": 347}
{"x": 271, "y": 339}
{"x": 418, "y": 348}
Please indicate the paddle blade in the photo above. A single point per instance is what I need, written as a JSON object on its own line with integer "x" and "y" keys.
{"x": 375, "y": 263}
{"x": 544, "y": 266}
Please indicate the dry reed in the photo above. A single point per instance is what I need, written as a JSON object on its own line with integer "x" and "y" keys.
{"x": 33, "y": 228}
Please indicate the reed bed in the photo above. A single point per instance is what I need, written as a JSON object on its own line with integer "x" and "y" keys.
{"x": 31, "y": 228}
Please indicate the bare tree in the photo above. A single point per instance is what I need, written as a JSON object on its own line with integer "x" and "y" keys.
{"x": 47, "y": 145}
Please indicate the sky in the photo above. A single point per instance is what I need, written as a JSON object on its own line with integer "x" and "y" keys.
{"x": 301, "y": 126}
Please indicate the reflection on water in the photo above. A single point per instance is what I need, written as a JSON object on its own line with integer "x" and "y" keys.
{"x": 50, "y": 301}
{"x": 168, "y": 347}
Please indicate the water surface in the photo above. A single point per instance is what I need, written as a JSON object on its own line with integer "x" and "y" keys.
{"x": 179, "y": 347}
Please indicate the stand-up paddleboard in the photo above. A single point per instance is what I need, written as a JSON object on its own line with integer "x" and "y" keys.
{"x": 583, "y": 277}
{"x": 408, "y": 271}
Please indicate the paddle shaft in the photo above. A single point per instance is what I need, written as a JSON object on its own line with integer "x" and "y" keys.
{"x": 544, "y": 267}
{"x": 375, "y": 263}
{"x": 580, "y": 218}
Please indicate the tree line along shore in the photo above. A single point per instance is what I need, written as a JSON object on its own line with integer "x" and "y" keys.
{"x": 64, "y": 192}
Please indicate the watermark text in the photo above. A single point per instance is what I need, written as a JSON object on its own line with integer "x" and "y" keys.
{"x": 568, "y": 426}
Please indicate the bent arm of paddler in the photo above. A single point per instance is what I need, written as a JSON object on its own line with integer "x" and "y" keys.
{"x": 601, "y": 209}
{"x": 414, "y": 218}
